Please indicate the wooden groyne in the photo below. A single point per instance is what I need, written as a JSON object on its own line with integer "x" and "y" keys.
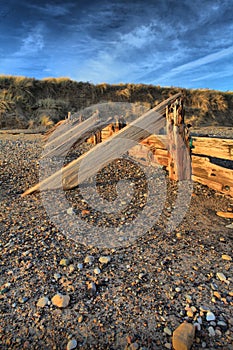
{"x": 183, "y": 157}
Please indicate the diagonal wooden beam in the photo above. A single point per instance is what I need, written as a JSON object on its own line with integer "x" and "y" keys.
{"x": 74, "y": 136}
{"x": 72, "y": 175}
{"x": 64, "y": 136}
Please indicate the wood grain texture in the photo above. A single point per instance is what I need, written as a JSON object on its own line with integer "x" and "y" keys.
{"x": 212, "y": 175}
{"x": 213, "y": 147}
{"x": 70, "y": 176}
{"x": 64, "y": 139}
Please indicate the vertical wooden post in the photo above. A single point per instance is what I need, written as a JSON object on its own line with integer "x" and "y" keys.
{"x": 110, "y": 129}
{"x": 122, "y": 123}
{"x": 98, "y": 137}
{"x": 179, "y": 162}
{"x": 170, "y": 136}
{"x": 117, "y": 125}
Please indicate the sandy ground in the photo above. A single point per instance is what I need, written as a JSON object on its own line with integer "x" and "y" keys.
{"x": 132, "y": 296}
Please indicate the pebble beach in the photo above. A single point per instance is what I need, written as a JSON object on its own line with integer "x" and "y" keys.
{"x": 57, "y": 292}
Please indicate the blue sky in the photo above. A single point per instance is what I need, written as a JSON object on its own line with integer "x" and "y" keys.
{"x": 161, "y": 42}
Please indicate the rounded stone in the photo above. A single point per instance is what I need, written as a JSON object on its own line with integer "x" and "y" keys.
{"x": 89, "y": 259}
{"x": 211, "y": 331}
{"x": 210, "y": 316}
{"x": 42, "y": 302}
{"x": 72, "y": 344}
{"x": 167, "y": 331}
{"x": 104, "y": 259}
{"x": 204, "y": 308}
{"x": 60, "y": 300}
{"x": 64, "y": 262}
{"x": 80, "y": 266}
{"x": 226, "y": 257}
{"x": 97, "y": 271}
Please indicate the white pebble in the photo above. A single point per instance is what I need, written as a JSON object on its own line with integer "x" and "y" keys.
{"x": 211, "y": 331}
{"x": 70, "y": 211}
{"x": 221, "y": 276}
{"x": 72, "y": 344}
{"x": 210, "y": 316}
{"x": 167, "y": 331}
{"x": 57, "y": 276}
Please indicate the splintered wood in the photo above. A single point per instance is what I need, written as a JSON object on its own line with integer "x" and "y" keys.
{"x": 212, "y": 175}
{"x": 141, "y": 140}
{"x": 63, "y": 138}
{"x": 179, "y": 161}
{"x": 70, "y": 176}
{"x": 213, "y": 147}
{"x": 73, "y": 136}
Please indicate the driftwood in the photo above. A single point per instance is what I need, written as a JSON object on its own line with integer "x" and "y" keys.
{"x": 179, "y": 161}
{"x": 213, "y": 147}
{"x": 150, "y": 155}
{"x": 54, "y": 127}
{"x": 156, "y": 141}
{"x": 63, "y": 139}
{"x": 70, "y": 176}
{"x": 212, "y": 175}
{"x": 114, "y": 124}
{"x": 74, "y": 136}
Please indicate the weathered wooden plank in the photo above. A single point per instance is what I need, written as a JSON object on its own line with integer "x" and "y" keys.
{"x": 213, "y": 147}
{"x": 156, "y": 141}
{"x": 213, "y": 185}
{"x": 204, "y": 172}
{"x": 70, "y": 176}
{"x": 161, "y": 156}
{"x": 206, "y": 146}
{"x": 64, "y": 122}
{"x": 152, "y": 156}
{"x": 116, "y": 124}
{"x": 212, "y": 175}
{"x": 202, "y": 166}
{"x": 65, "y": 139}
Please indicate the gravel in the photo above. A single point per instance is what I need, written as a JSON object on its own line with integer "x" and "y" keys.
{"x": 143, "y": 289}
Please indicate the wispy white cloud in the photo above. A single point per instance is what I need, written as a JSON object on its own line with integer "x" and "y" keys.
{"x": 214, "y": 75}
{"x": 53, "y": 10}
{"x": 205, "y": 60}
{"x": 32, "y": 43}
{"x": 102, "y": 68}
{"x": 190, "y": 66}
{"x": 139, "y": 37}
